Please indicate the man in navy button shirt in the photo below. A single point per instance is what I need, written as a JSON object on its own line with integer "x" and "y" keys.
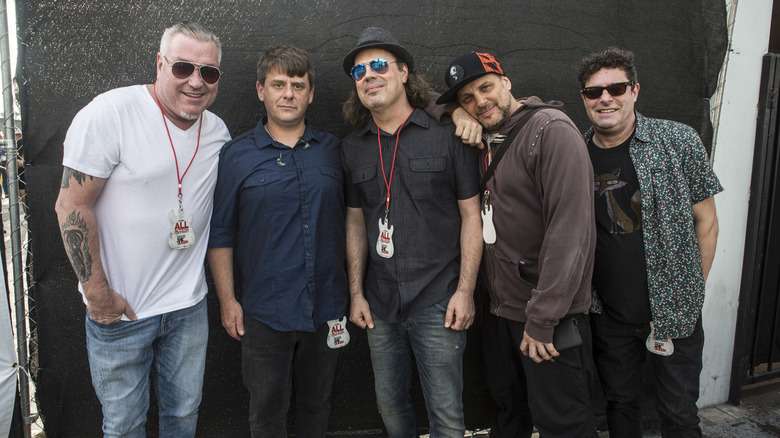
{"x": 279, "y": 203}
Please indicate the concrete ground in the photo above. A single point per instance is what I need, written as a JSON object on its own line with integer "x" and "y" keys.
{"x": 756, "y": 416}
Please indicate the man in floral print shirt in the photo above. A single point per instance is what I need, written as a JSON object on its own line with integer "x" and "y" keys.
{"x": 657, "y": 229}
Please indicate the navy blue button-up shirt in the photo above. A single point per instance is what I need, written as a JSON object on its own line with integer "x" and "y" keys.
{"x": 283, "y": 210}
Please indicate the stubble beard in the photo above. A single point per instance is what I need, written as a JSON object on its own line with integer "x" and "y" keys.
{"x": 504, "y": 114}
{"x": 187, "y": 116}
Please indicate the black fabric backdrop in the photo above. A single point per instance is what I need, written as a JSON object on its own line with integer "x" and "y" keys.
{"x": 71, "y": 51}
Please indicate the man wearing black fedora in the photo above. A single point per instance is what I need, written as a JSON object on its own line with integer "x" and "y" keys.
{"x": 539, "y": 234}
{"x": 413, "y": 240}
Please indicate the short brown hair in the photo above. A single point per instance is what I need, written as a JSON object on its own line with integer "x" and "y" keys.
{"x": 291, "y": 60}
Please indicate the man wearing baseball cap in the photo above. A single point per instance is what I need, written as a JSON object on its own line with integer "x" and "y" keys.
{"x": 538, "y": 229}
{"x": 413, "y": 239}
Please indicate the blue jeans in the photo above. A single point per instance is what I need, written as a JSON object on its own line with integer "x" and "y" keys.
{"x": 269, "y": 359}
{"x": 121, "y": 355}
{"x": 439, "y": 354}
{"x": 619, "y": 351}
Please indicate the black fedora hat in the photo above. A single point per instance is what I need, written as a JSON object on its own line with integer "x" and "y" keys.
{"x": 465, "y": 69}
{"x": 376, "y": 37}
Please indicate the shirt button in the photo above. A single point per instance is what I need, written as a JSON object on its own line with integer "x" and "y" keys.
{"x": 403, "y": 283}
{"x": 303, "y": 198}
{"x": 306, "y": 226}
{"x": 310, "y": 280}
{"x": 308, "y": 254}
{"x": 262, "y": 179}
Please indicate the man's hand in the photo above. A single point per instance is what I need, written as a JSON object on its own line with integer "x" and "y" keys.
{"x": 537, "y": 351}
{"x": 460, "y": 311}
{"x": 360, "y": 313}
{"x": 232, "y": 318}
{"x": 468, "y": 129}
{"x": 108, "y": 307}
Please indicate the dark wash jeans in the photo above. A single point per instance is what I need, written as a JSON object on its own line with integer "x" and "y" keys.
{"x": 554, "y": 396}
{"x": 269, "y": 359}
{"x": 619, "y": 351}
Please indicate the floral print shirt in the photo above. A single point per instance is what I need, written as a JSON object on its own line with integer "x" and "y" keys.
{"x": 674, "y": 173}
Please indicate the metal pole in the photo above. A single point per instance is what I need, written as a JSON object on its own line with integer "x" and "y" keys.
{"x": 13, "y": 212}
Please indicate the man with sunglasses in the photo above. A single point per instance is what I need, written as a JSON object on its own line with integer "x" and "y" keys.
{"x": 538, "y": 257}
{"x": 134, "y": 207}
{"x": 657, "y": 229}
{"x": 413, "y": 244}
{"x": 280, "y": 203}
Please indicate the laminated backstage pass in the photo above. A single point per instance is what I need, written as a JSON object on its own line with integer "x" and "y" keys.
{"x": 181, "y": 236}
{"x": 338, "y": 336}
{"x": 384, "y": 243}
{"x": 661, "y": 347}
{"x": 488, "y": 229}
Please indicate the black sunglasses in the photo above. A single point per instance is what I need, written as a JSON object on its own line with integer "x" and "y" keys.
{"x": 184, "y": 69}
{"x": 617, "y": 89}
{"x": 378, "y": 65}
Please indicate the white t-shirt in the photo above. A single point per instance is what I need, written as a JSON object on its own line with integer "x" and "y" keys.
{"x": 120, "y": 136}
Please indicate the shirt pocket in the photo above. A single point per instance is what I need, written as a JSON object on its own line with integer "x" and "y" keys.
{"x": 365, "y": 180}
{"x": 259, "y": 189}
{"x": 669, "y": 191}
{"x": 429, "y": 177}
{"x": 332, "y": 184}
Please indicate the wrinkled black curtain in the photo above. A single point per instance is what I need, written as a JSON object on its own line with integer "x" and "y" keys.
{"x": 71, "y": 51}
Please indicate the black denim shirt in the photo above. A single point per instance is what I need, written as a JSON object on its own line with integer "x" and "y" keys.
{"x": 433, "y": 170}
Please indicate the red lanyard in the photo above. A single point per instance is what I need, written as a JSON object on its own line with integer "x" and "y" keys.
{"x": 382, "y": 162}
{"x": 179, "y": 179}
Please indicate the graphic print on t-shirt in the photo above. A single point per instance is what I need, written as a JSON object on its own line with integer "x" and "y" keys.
{"x": 607, "y": 186}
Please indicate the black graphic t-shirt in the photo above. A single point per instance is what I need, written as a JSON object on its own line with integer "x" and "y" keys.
{"x": 620, "y": 272}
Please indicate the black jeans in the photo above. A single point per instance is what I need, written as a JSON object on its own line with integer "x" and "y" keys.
{"x": 269, "y": 360}
{"x": 619, "y": 351}
{"x": 553, "y": 396}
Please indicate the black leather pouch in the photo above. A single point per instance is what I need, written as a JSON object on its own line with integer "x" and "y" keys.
{"x": 567, "y": 334}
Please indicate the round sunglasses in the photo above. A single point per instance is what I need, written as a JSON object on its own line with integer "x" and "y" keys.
{"x": 184, "y": 69}
{"x": 378, "y": 65}
{"x": 617, "y": 89}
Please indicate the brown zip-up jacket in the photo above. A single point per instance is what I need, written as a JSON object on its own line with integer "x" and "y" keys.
{"x": 541, "y": 194}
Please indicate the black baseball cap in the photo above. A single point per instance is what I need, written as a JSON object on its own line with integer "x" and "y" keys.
{"x": 465, "y": 69}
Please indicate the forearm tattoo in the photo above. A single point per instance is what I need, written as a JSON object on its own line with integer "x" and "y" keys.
{"x": 76, "y": 238}
{"x": 67, "y": 173}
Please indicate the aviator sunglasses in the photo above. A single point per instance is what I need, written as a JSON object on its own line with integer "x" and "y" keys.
{"x": 617, "y": 89}
{"x": 378, "y": 65}
{"x": 184, "y": 69}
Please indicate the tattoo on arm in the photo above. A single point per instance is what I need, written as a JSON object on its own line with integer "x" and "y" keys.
{"x": 67, "y": 173}
{"x": 76, "y": 238}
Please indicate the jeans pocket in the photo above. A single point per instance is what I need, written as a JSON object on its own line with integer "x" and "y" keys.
{"x": 570, "y": 358}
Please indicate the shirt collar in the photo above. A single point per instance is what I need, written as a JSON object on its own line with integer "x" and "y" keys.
{"x": 263, "y": 139}
{"x": 418, "y": 117}
{"x": 641, "y": 133}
